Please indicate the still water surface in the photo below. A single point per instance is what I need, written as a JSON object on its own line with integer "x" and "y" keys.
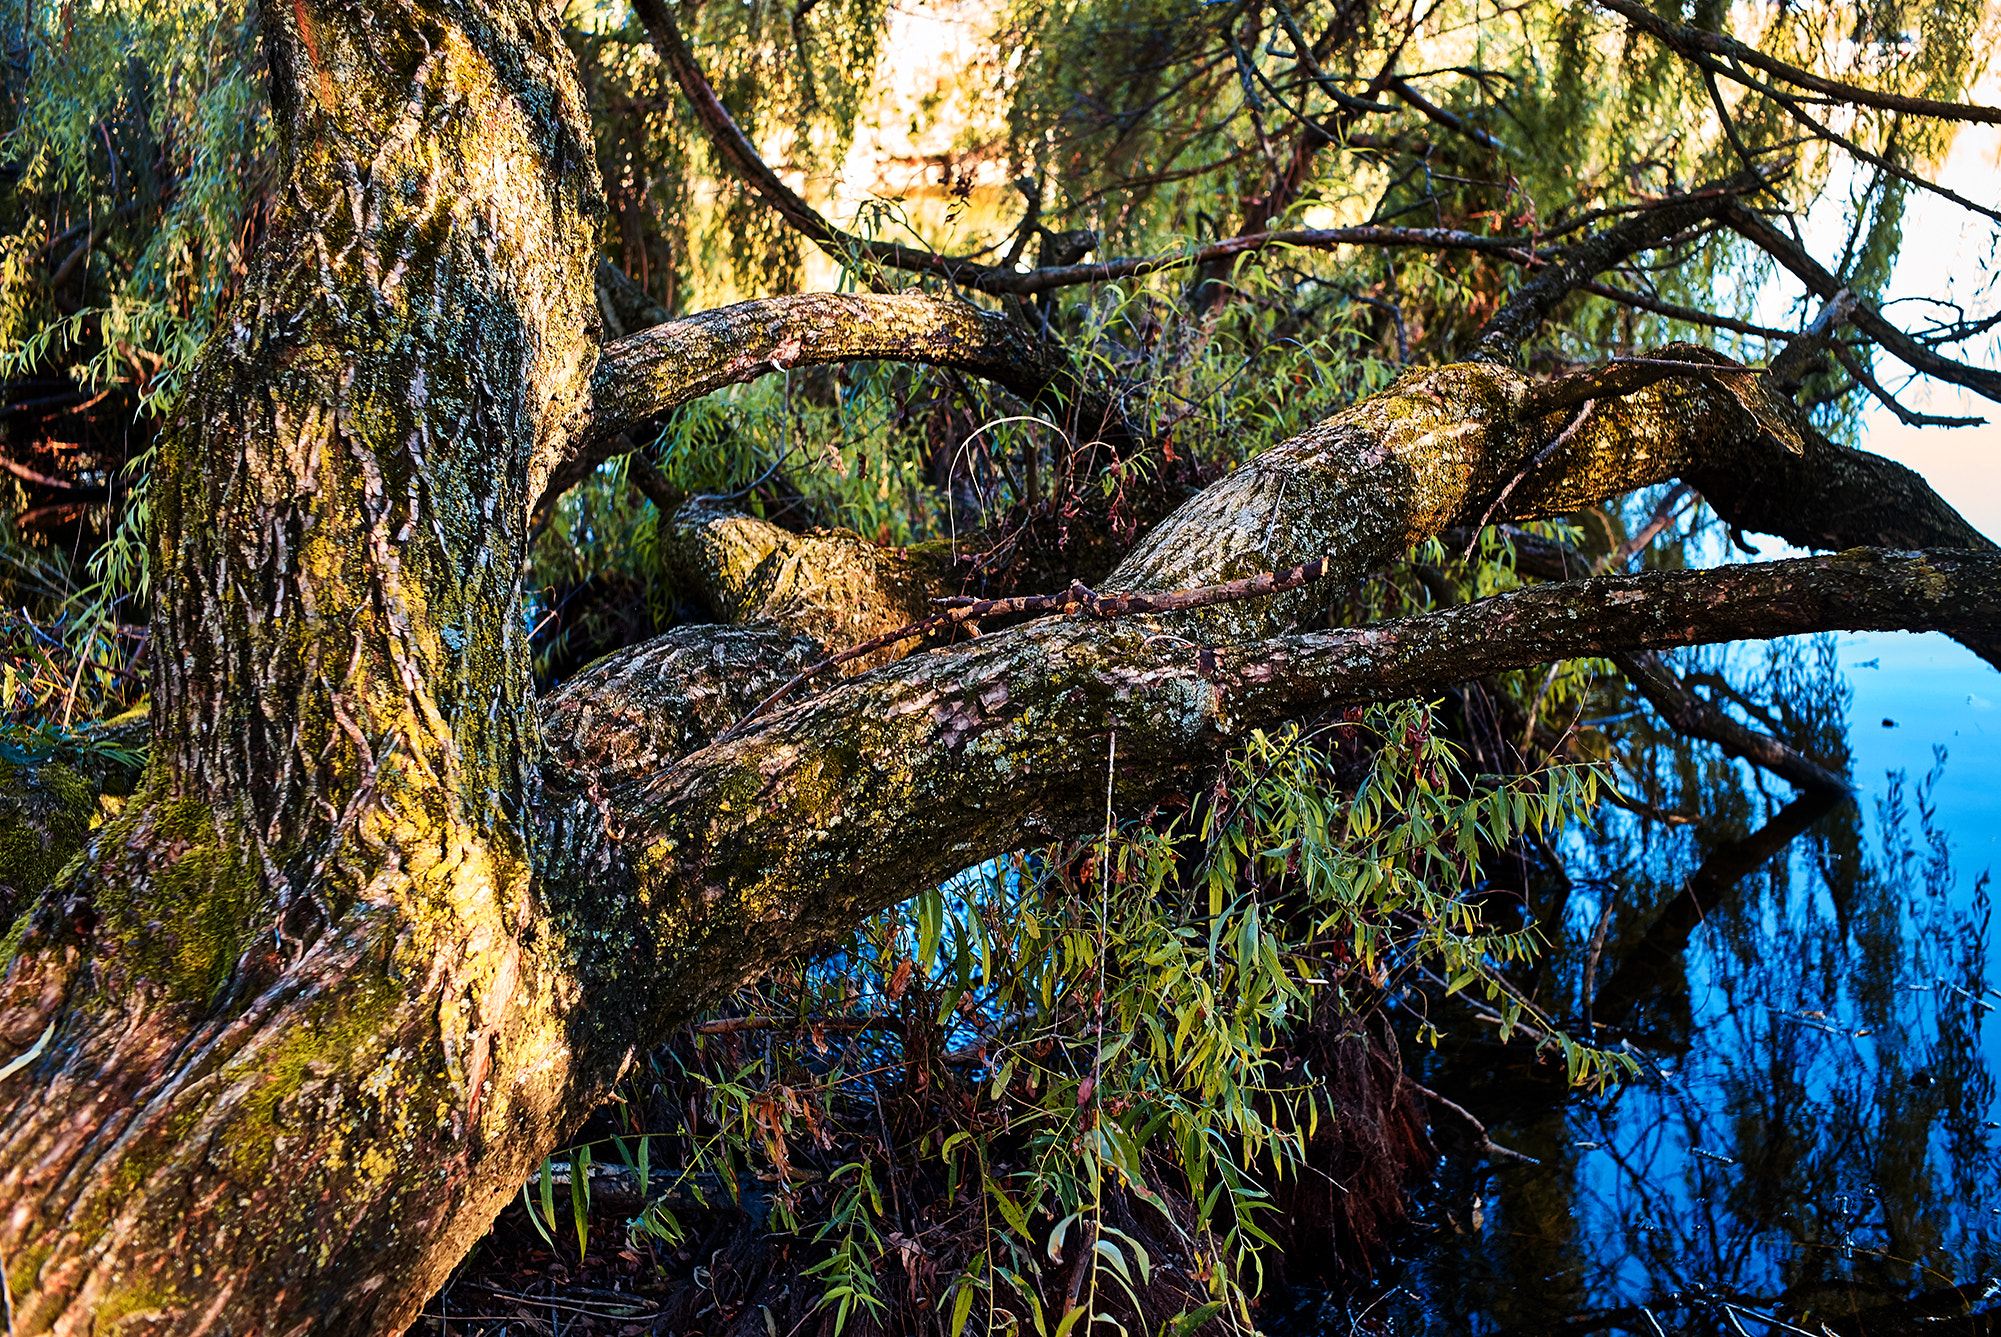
{"x": 1814, "y": 1141}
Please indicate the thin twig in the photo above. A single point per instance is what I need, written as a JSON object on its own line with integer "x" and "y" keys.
{"x": 1542, "y": 455}
{"x": 1492, "y": 1149}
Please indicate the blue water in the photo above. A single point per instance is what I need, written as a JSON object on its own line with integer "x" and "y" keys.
{"x": 1815, "y": 1135}
{"x": 1940, "y": 695}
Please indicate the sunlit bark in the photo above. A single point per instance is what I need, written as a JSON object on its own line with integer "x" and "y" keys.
{"x": 297, "y": 1030}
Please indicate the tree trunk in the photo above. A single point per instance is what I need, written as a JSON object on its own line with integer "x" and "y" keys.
{"x": 301, "y": 1028}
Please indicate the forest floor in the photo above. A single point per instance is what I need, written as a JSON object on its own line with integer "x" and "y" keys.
{"x": 515, "y": 1281}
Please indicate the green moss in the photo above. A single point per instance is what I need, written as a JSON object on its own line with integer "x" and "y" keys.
{"x": 45, "y": 816}
{"x": 333, "y": 1037}
{"x": 130, "y": 1299}
{"x": 187, "y": 932}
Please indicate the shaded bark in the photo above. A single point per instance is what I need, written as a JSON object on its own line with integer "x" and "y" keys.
{"x": 1685, "y": 711}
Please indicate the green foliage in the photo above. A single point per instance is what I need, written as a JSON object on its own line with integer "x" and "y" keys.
{"x": 1004, "y": 1054}
{"x": 1088, "y": 1055}
{"x": 140, "y": 135}
{"x": 794, "y": 76}
{"x": 134, "y": 150}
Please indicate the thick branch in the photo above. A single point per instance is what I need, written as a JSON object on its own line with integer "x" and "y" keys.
{"x": 650, "y": 372}
{"x": 1687, "y": 41}
{"x": 1865, "y": 317}
{"x": 776, "y": 840}
{"x": 833, "y": 587}
{"x": 1438, "y": 447}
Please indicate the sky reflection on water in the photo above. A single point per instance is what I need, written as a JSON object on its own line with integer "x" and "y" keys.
{"x": 1815, "y": 1137}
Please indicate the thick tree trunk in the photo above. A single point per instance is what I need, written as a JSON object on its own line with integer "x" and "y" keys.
{"x": 300, "y": 1028}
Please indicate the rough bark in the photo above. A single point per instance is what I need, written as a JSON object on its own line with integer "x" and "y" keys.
{"x": 300, "y": 1029}
{"x": 655, "y": 370}
{"x": 773, "y": 841}
{"x": 1441, "y": 446}
{"x": 833, "y": 587}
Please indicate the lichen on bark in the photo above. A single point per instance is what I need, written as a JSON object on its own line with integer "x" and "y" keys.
{"x": 309, "y": 939}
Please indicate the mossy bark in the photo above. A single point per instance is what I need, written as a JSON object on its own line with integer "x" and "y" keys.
{"x": 45, "y": 813}
{"x": 774, "y": 840}
{"x": 301, "y": 1027}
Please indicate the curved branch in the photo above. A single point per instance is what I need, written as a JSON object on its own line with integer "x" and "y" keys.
{"x": 648, "y": 373}
{"x": 659, "y": 368}
{"x": 1437, "y": 448}
{"x": 776, "y": 840}
{"x": 1688, "y": 41}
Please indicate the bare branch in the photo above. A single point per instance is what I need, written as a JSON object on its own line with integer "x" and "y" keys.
{"x": 1517, "y": 250}
{"x": 1674, "y": 311}
{"x": 1504, "y": 334}
{"x": 1864, "y": 317}
{"x": 1438, "y": 115}
{"x": 1790, "y": 367}
{"x": 1910, "y": 418}
{"x": 1689, "y": 41}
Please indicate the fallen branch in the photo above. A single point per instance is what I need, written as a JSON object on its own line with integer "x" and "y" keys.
{"x": 967, "y": 612}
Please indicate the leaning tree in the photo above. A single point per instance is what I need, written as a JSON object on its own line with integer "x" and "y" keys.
{"x": 380, "y": 927}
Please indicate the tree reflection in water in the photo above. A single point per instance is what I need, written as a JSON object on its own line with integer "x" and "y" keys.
{"x": 1811, "y": 1145}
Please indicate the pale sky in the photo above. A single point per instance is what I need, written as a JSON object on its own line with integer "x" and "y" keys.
{"x": 1946, "y": 255}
